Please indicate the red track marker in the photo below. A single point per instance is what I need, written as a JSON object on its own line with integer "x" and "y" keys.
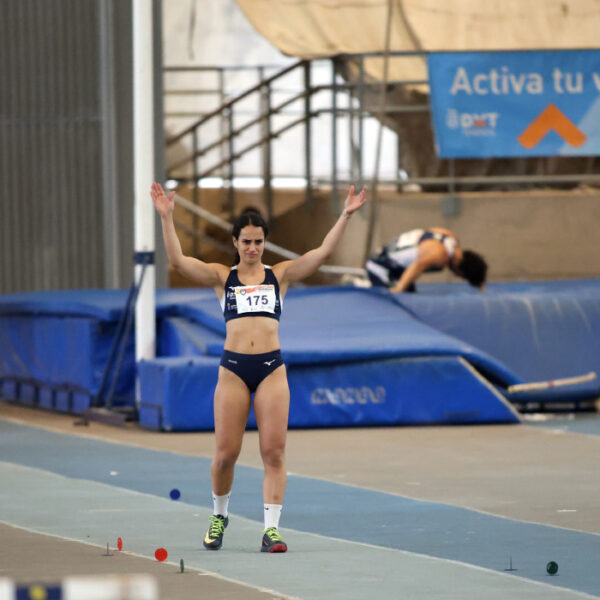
{"x": 161, "y": 554}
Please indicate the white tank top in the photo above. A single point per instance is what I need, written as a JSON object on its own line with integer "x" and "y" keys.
{"x": 405, "y": 250}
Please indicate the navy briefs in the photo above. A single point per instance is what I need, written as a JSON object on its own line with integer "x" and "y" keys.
{"x": 251, "y": 368}
{"x": 392, "y": 270}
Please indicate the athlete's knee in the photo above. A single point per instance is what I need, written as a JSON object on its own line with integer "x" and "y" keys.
{"x": 273, "y": 456}
{"x": 225, "y": 459}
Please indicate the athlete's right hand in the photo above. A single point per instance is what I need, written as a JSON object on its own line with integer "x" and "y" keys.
{"x": 164, "y": 205}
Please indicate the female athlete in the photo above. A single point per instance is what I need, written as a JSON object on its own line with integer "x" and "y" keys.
{"x": 251, "y": 296}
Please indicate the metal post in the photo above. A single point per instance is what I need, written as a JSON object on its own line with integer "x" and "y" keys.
{"x": 265, "y": 100}
{"x": 374, "y": 204}
{"x": 451, "y": 203}
{"x": 223, "y": 119}
{"x": 143, "y": 132}
{"x": 307, "y": 136}
{"x": 334, "y": 137}
{"x": 230, "y": 174}
{"x": 109, "y": 167}
{"x": 195, "y": 195}
{"x": 361, "y": 104}
{"x": 162, "y": 271}
{"x": 352, "y": 120}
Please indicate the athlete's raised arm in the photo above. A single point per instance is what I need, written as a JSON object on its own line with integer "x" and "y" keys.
{"x": 305, "y": 265}
{"x": 205, "y": 274}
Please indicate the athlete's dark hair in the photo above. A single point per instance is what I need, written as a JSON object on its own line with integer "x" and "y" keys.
{"x": 249, "y": 216}
{"x": 473, "y": 268}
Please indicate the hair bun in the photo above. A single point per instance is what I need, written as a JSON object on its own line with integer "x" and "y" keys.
{"x": 249, "y": 210}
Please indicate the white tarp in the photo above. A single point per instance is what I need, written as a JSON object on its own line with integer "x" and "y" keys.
{"x": 317, "y": 28}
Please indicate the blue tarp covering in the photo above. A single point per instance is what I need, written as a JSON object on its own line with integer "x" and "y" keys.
{"x": 64, "y": 352}
{"x": 105, "y": 305}
{"x": 54, "y": 346}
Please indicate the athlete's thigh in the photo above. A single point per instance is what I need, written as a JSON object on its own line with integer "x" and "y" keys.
{"x": 231, "y": 409}
{"x": 272, "y": 407}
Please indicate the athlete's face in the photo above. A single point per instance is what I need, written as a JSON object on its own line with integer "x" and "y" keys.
{"x": 251, "y": 244}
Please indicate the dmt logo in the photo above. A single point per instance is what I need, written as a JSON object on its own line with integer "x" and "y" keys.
{"x": 472, "y": 123}
{"x": 349, "y": 395}
{"x": 551, "y": 119}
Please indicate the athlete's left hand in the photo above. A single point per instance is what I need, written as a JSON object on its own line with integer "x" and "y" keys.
{"x": 354, "y": 202}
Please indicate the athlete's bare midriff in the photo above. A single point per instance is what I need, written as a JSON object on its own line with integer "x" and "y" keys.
{"x": 252, "y": 335}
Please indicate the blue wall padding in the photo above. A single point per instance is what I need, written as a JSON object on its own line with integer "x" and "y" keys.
{"x": 177, "y": 394}
{"x": 540, "y": 331}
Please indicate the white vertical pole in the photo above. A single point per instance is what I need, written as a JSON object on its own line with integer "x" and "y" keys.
{"x": 143, "y": 149}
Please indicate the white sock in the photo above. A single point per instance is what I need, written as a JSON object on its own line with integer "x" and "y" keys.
{"x": 272, "y": 514}
{"x": 221, "y": 504}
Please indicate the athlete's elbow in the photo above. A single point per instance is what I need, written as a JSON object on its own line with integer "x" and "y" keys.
{"x": 323, "y": 253}
{"x": 176, "y": 262}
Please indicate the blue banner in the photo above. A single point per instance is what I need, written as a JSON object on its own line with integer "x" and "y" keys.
{"x": 522, "y": 103}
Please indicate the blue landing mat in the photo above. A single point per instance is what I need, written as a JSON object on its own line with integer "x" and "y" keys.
{"x": 177, "y": 394}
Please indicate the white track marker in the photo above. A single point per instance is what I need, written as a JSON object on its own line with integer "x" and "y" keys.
{"x": 544, "y": 385}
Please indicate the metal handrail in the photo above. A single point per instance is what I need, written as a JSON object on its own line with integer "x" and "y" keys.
{"x": 217, "y": 112}
{"x": 245, "y": 127}
{"x": 252, "y": 146}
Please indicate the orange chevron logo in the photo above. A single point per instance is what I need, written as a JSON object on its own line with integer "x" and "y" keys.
{"x": 551, "y": 119}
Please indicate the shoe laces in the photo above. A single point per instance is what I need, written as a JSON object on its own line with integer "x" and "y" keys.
{"x": 217, "y": 526}
{"x": 273, "y": 534}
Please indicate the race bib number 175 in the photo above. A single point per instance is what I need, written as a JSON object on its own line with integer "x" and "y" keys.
{"x": 255, "y": 298}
